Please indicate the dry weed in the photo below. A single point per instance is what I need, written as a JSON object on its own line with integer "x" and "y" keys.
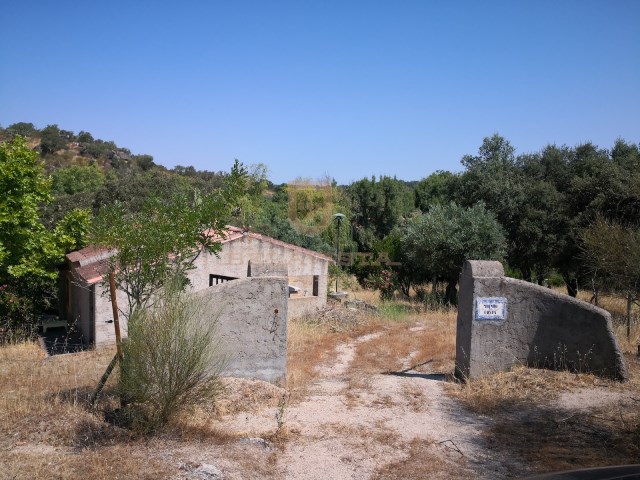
{"x": 415, "y": 397}
{"x": 367, "y": 438}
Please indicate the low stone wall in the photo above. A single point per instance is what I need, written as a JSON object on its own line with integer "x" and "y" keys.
{"x": 504, "y": 322}
{"x": 252, "y": 322}
{"x": 301, "y": 306}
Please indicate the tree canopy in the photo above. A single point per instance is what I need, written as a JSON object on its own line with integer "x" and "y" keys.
{"x": 438, "y": 242}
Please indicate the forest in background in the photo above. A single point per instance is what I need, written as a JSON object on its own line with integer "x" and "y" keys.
{"x": 562, "y": 215}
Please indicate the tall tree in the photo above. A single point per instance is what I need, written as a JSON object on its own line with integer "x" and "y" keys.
{"x": 28, "y": 250}
{"x": 377, "y": 206}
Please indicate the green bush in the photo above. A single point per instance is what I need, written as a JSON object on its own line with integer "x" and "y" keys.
{"x": 172, "y": 358}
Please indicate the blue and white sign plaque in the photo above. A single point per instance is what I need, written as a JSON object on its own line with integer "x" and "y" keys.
{"x": 491, "y": 308}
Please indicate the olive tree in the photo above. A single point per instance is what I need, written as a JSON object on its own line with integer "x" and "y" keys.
{"x": 438, "y": 242}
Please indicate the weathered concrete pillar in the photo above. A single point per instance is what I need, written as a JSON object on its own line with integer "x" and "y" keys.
{"x": 251, "y": 314}
{"x": 504, "y": 322}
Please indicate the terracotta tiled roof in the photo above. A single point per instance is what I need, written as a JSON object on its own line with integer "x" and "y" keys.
{"x": 235, "y": 233}
{"x": 92, "y": 262}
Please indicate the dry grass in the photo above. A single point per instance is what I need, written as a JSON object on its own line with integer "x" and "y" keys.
{"x": 115, "y": 462}
{"x": 417, "y": 342}
{"x": 312, "y": 342}
{"x": 47, "y": 427}
{"x": 46, "y": 399}
{"x": 425, "y": 459}
{"x": 309, "y": 345}
{"x": 519, "y": 387}
{"x": 617, "y": 307}
{"x": 49, "y": 430}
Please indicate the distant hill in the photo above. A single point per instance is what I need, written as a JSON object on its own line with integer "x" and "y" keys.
{"x": 63, "y": 148}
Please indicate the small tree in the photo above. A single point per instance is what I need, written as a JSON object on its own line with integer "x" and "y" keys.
{"x": 612, "y": 251}
{"x": 172, "y": 357}
{"x": 437, "y": 243}
{"x": 164, "y": 237}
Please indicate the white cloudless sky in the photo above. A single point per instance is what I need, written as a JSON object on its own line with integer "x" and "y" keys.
{"x": 343, "y": 88}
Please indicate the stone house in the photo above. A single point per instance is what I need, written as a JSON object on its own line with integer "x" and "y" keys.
{"x": 243, "y": 254}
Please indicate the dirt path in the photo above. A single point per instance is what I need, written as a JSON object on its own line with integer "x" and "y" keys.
{"x": 351, "y": 425}
{"x": 351, "y": 428}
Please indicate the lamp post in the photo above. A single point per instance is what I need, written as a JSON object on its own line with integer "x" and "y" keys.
{"x": 339, "y": 217}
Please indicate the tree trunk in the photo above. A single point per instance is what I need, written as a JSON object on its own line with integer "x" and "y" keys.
{"x": 594, "y": 290}
{"x": 451, "y": 294}
{"x": 571, "y": 283}
{"x": 629, "y": 307}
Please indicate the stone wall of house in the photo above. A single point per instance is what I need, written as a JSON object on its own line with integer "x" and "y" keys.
{"x": 235, "y": 256}
{"x": 105, "y": 333}
{"x": 301, "y": 306}
{"x": 504, "y": 322}
{"x": 251, "y": 315}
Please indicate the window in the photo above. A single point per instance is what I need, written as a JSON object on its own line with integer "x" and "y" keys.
{"x": 316, "y": 280}
{"x": 219, "y": 279}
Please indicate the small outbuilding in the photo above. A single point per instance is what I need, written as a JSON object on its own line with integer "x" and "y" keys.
{"x": 244, "y": 254}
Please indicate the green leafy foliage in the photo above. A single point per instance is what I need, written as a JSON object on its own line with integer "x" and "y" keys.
{"x": 26, "y": 247}
{"x": 164, "y": 236}
{"x": 77, "y": 179}
{"x": 29, "y": 252}
{"x": 438, "y": 242}
{"x": 52, "y": 139}
{"x": 377, "y": 207}
{"x": 436, "y": 189}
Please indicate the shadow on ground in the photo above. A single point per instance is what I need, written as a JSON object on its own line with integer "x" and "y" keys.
{"x": 58, "y": 340}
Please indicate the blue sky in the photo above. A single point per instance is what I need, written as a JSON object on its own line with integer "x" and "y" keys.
{"x": 344, "y": 88}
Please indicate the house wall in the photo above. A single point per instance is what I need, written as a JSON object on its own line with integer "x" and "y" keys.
{"x": 79, "y": 314}
{"x": 105, "y": 333}
{"x": 233, "y": 260}
{"x": 267, "y": 259}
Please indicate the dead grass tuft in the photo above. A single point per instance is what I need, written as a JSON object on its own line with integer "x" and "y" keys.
{"x": 119, "y": 461}
{"x": 519, "y": 387}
